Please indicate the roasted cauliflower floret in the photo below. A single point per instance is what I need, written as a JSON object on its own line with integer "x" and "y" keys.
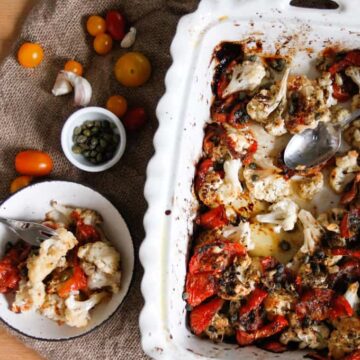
{"x": 231, "y": 187}
{"x": 308, "y": 186}
{"x": 97, "y": 279}
{"x": 51, "y": 253}
{"x": 313, "y": 232}
{"x": 283, "y": 214}
{"x": 219, "y": 327}
{"x": 279, "y": 302}
{"x": 354, "y": 73}
{"x": 239, "y": 279}
{"x": 266, "y": 101}
{"x": 238, "y": 140}
{"x": 355, "y": 102}
{"x": 103, "y": 255}
{"x": 345, "y": 338}
{"x": 306, "y": 105}
{"x": 240, "y": 233}
{"x": 245, "y": 76}
{"x": 352, "y": 297}
{"x": 54, "y": 308}
{"x": 331, "y": 220}
{"x": 326, "y": 85}
{"x": 266, "y": 184}
{"x": 314, "y": 336}
{"x": 77, "y": 312}
{"x": 344, "y": 172}
{"x": 208, "y": 191}
{"x": 352, "y": 134}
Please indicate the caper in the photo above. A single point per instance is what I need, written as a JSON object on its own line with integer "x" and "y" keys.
{"x": 278, "y": 64}
{"x": 97, "y": 123}
{"x": 284, "y": 245}
{"x": 76, "y": 149}
{"x": 87, "y": 133}
{"x": 99, "y": 148}
{"x": 93, "y": 153}
{"x": 252, "y": 58}
{"x": 65, "y": 275}
{"x": 89, "y": 124}
{"x": 77, "y": 130}
{"x": 107, "y": 137}
{"x": 74, "y": 138}
{"x": 86, "y": 153}
{"x": 252, "y": 166}
{"x": 255, "y": 177}
{"x": 81, "y": 139}
{"x": 92, "y": 146}
{"x": 105, "y": 124}
{"x": 103, "y": 143}
{"x": 95, "y": 130}
{"x": 94, "y": 141}
{"x": 116, "y": 139}
{"x": 85, "y": 124}
{"x": 84, "y": 146}
{"x": 99, "y": 157}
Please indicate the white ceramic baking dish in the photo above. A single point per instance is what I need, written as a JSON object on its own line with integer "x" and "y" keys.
{"x": 182, "y": 113}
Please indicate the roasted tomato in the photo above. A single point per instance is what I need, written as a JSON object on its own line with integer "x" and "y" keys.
{"x": 201, "y": 316}
{"x": 214, "y": 258}
{"x": 77, "y": 281}
{"x": 339, "y": 307}
{"x": 355, "y": 355}
{"x": 9, "y": 272}
{"x": 315, "y": 304}
{"x": 203, "y": 168}
{"x": 199, "y": 287}
{"x": 213, "y": 218}
{"x": 273, "y": 346}
{"x": 253, "y": 301}
{"x": 278, "y": 324}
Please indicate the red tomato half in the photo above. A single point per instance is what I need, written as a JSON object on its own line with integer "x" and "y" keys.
{"x": 201, "y": 316}
{"x": 115, "y": 25}
{"x": 33, "y": 163}
{"x": 135, "y": 119}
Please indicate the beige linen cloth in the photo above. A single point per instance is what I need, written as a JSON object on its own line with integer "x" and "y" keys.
{"x": 32, "y": 118}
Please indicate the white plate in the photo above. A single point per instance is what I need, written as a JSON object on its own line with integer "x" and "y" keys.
{"x": 32, "y": 203}
{"x": 182, "y": 113}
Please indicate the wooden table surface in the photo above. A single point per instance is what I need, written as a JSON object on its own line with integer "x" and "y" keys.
{"x": 12, "y": 14}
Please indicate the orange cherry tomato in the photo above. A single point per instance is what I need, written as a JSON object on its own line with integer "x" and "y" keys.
{"x": 33, "y": 162}
{"x": 135, "y": 119}
{"x": 133, "y": 69}
{"x": 117, "y": 104}
{"x": 95, "y": 25}
{"x": 103, "y": 44}
{"x": 74, "y": 67}
{"x": 30, "y": 55}
{"x": 20, "y": 182}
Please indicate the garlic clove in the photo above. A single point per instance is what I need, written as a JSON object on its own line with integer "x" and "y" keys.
{"x": 129, "y": 38}
{"x": 61, "y": 86}
{"x": 82, "y": 87}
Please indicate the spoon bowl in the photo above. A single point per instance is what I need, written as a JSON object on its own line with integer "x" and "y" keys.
{"x": 315, "y": 146}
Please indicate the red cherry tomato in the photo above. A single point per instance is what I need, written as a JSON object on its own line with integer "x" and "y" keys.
{"x": 135, "y": 119}
{"x": 33, "y": 163}
{"x": 115, "y": 25}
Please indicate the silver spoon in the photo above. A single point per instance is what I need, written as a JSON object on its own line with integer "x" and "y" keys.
{"x": 314, "y": 146}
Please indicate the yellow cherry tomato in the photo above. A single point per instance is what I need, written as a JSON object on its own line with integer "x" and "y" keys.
{"x": 133, "y": 69}
{"x": 103, "y": 44}
{"x": 117, "y": 104}
{"x": 20, "y": 182}
{"x": 74, "y": 67}
{"x": 30, "y": 55}
{"x": 95, "y": 25}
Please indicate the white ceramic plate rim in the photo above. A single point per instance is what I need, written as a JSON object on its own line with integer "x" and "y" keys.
{"x": 128, "y": 285}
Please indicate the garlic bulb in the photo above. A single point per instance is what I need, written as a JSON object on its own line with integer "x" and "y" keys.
{"x": 129, "y": 38}
{"x": 66, "y": 81}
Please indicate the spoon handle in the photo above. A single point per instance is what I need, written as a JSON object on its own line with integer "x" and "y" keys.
{"x": 353, "y": 116}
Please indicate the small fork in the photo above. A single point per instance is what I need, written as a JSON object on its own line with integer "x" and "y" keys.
{"x": 31, "y": 232}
